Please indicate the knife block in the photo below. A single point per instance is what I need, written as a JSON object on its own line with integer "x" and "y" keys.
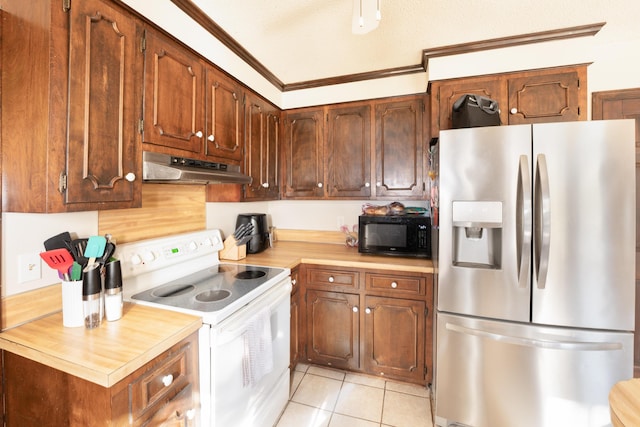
{"x": 231, "y": 251}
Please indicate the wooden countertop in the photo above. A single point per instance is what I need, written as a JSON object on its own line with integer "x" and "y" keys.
{"x": 624, "y": 402}
{"x": 107, "y": 354}
{"x": 104, "y": 355}
{"x": 289, "y": 254}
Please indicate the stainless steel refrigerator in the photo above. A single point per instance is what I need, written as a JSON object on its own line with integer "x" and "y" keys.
{"x": 536, "y": 269}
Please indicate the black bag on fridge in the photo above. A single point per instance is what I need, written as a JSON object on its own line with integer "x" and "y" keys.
{"x": 473, "y": 111}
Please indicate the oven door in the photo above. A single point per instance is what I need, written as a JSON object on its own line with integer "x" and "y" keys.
{"x": 238, "y": 398}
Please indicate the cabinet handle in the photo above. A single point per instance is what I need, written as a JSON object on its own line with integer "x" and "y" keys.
{"x": 167, "y": 380}
{"x": 199, "y": 134}
{"x": 211, "y": 138}
{"x": 265, "y": 185}
{"x": 319, "y": 185}
{"x": 331, "y": 279}
{"x": 394, "y": 285}
{"x": 514, "y": 110}
{"x": 355, "y": 309}
{"x": 130, "y": 177}
{"x": 367, "y": 310}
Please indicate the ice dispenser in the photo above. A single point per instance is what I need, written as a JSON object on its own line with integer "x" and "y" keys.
{"x": 477, "y": 234}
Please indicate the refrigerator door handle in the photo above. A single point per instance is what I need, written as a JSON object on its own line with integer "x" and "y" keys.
{"x": 538, "y": 343}
{"x": 523, "y": 222}
{"x": 542, "y": 221}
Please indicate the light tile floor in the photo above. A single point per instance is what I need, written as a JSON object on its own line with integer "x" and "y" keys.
{"x": 322, "y": 397}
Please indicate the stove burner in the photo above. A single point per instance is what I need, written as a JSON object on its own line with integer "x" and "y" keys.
{"x": 212, "y": 296}
{"x": 250, "y": 274}
{"x": 172, "y": 291}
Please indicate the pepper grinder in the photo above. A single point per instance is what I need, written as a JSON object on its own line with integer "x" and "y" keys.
{"x": 92, "y": 296}
{"x": 113, "y": 291}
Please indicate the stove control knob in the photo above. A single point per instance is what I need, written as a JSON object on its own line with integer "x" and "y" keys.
{"x": 207, "y": 242}
{"x": 136, "y": 259}
{"x": 192, "y": 246}
{"x": 149, "y": 256}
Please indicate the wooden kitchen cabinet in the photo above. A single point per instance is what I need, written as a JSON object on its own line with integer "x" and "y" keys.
{"x": 69, "y": 123}
{"x": 536, "y": 96}
{"x": 374, "y": 321}
{"x": 190, "y": 108}
{"x": 294, "y": 334}
{"x": 401, "y": 156}
{"x": 333, "y": 329}
{"x": 262, "y": 148}
{"x": 329, "y": 151}
{"x": 162, "y": 392}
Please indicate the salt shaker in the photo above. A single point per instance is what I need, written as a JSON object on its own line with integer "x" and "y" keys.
{"x": 113, "y": 291}
{"x": 92, "y": 296}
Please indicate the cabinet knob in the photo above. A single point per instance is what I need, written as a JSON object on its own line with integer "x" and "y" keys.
{"x": 378, "y": 184}
{"x": 167, "y": 380}
{"x": 211, "y": 138}
{"x": 319, "y": 185}
{"x": 331, "y": 279}
{"x": 191, "y": 413}
{"x": 355, "y": 309}
{"x": 367, "y": 310}
{"x": 294, "y": 282}
{"x": 199, "y": 134}
{"x": 514, "y": 110}
{"x": 366, "y": 184}
{"x": 265, "y": 185}
{"x": 130, "y": 177}
{"x": 394, "y": 285}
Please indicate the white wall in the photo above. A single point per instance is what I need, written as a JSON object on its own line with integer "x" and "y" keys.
{"x": 615, "y": 63}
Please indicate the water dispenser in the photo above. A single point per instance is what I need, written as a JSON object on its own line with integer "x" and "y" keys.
{"x": 477, "y": 234}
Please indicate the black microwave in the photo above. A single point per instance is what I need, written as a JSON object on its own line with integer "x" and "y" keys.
{"x": 401, "y": 235}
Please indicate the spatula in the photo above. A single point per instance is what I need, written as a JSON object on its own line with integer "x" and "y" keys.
{"x": 95, "y": 248}
{"x": 59, "y": 241}
{"x": 58, "y": 259}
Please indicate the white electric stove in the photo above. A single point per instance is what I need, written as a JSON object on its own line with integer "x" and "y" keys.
{"x": 245, "y": 309}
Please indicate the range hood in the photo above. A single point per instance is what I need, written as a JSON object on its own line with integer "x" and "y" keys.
{"x": 164, "y": 168}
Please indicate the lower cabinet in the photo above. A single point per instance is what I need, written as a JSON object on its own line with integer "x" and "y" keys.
{"x": 164, "y": 392}
{"x": 374, "y": 321}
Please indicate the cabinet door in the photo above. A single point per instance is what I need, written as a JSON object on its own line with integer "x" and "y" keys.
{"x": 394, "y": 338}
{"x": 303, "y": 154}
{"x": 261, "y": 159}
{"x": 399, "y": 148}
{"x": 333, "y": 329}
{"x": 173, "y": 102}
{"x": 445, "y": 94}
{"x": 546, "y": 98}
{"x": 348, "y": 151}
{"x": 105, "y": 64}
{"x": 224, "y": 121}
{"x": 295, "y": 319}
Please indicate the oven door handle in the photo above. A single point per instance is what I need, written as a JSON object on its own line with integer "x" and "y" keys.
{"x": 235, "y": 325}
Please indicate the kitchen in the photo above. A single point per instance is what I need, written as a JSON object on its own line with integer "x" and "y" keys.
{"x": 611, "y": 68}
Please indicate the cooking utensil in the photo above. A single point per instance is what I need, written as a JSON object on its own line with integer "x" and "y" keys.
{"x": 95, "y": 248}
{"x": 58, "y": 259}
{"x": 238, "y": 233}
{"x": 59, "y": 241}
{"x": 78, "y": 247}
{"x": 76, "y": 271}
{"x": 109, "y": 249}
{"x": 243, "y": 240}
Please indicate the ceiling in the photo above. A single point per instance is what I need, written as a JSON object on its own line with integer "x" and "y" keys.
{"x": 306, "y": 40}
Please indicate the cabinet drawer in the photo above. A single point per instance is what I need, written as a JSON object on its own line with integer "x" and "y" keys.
{"x": 396, "y": 284}
{"x": 332, "y": 278}
{"x": 177, "y": 412}
{"x": 163, "y": 382}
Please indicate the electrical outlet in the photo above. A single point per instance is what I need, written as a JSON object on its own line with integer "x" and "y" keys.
{"x": 29, "y": 268}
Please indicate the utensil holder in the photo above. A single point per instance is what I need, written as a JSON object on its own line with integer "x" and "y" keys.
{"x": 231, "y": 251}
{"x": 72, "y": 314}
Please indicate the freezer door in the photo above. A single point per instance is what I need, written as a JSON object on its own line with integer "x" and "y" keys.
{"x": 584, "y": 233}
{"x": 501, "y": 374}
{"x": 485, "y": 222}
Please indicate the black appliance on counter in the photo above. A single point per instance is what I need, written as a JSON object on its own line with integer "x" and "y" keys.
{"x": 260, "y": 235}
{"x": 400, "y": 235}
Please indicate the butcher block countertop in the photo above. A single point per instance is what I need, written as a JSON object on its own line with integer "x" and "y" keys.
{"x": 106, "y": 354}
{"x": 289, "y": 254}
{"x": 109, "y": 353}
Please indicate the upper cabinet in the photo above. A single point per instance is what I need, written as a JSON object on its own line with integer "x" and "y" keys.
{"x": 71, "y": 100}
{"x": 190, "y": 108}
{"x": 546, "y": 95}
{"x": 371, "y": 149}
{"x": 262, "y": 136}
